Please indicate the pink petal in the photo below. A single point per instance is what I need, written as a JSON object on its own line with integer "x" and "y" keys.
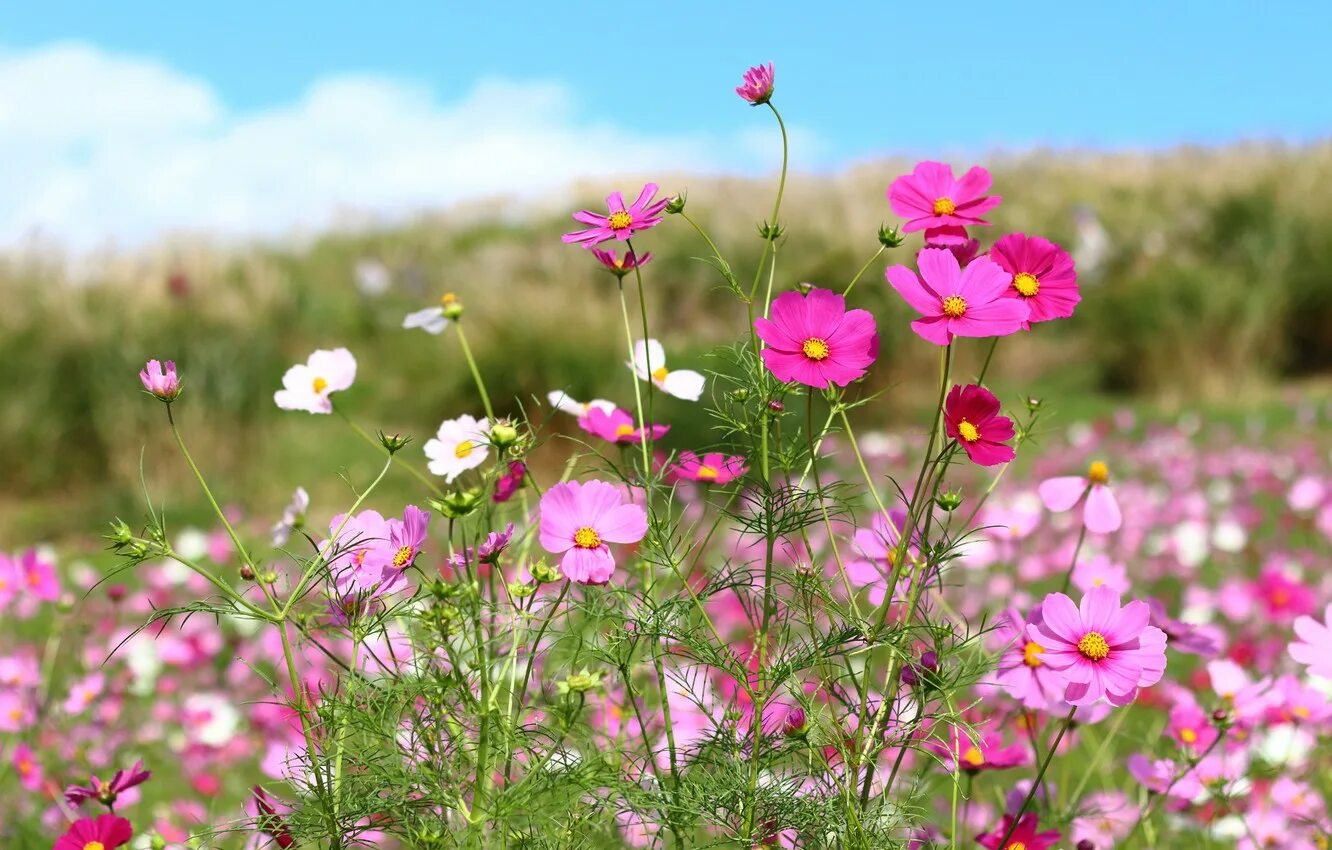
{"x": 1060, "y": 494}
{"x": 1101, "y": 513}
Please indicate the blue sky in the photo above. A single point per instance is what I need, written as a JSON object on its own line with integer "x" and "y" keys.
{"x": 637, "y": 87}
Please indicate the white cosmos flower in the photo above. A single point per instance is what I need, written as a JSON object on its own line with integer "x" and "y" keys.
{"x": 681, "y": 383}
{"x": 307, "y": 386}
{"x": 460, "y": 445}
{"x": 293, "y": 516}
{"x": 562, "y": 401}
{"x": 431, "y": 320}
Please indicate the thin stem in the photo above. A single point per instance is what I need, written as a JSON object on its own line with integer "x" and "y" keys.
{"x": 1068, "y": 574}
{"x": 476, "y": 374}
{"x": 638, "y": 394}
{"x": 863, "y": 269}
{"x": 416, "y": 473}
{"x": 226, "y": 523}
{"x": 1040, "y": 775}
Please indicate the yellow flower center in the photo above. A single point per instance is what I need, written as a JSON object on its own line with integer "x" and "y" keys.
{"x": 1301, "y": 712}
{"x": 1094, "y": 646}
{"x": 954, "y": 306}
{"x": 320, "y": 385}
{"x": 944, "y": 206}
{"x": 660, "y": 373}
{"x": 448, "y": 298}
{"x": 1031, "y": 654}
{"x": 815, "y": 349}
{"x": 1188, "y": 736}
{"x": 973, "y": 757}
{"x": 1026, "y": 284}
{"x": 1098, "y": 472}
{"x": 24, "y": 767}
{"x": 402, "y": 557}
{"x": 619, "y": 220}
{"x": 624, "y": 431}
{"x": 1016, "y": 845}
{"x": 707, "y": 472}
{"x": 463, "y": 449}
{"x": 968, "y": 431}
{"x": 94, "y": 845}
{"x": 587, "y": 538}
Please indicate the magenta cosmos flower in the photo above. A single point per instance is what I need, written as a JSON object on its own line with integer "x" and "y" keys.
{"x": 578, "y": 520}
{"x": 620, "y": 222}
{"x": 713, "y": 467}
{"x": 106, "y": 793}
{"x": 953, "y": 301}
{"x": 1024, "y": 836}
{"x": 159, "y": 380}
{"x": 1098, "y": 648}
{"x": 1101, "y": 513}
{"x": 971, "y": 416}
{"x": 1314, "y": 648}
{"x": 106, "y": 832}
{"x": 930, "y": 197}
{"x": 1042, "y": 275}
{"x": 758, "y": 84}
{"x": 617, "y": 426}
{"x": 620, "y": 266}
{"x": 814, "y": 340}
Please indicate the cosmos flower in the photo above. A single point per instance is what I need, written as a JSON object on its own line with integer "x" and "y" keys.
{"x": 973, "y": 755}
{"x": 1023, "y": 837}
{"x": 459, "y": 445}
{"x": 953, "y": 301}
{"x": 930, "y": 197}
{"x": 563, "y": 402}
{"x": 1099, "y": 648}
{"x": 27, "y": 767}
{"x": 711, "y": 468}
{"x": 293, "y": 517}
{"x": 649, "y": 363}
{"x": 621, "y": 266}
{"x": 160, "y": 381}
{"x": 509, "y": 483}
{"x": 37, "y": 574}
{"x": 578, "y": 520}
{"x": 1042, "y": 275}
{"x": 758, "y": 85}
{"x": 617, "y": 426}
{"x": 269, "y": 817}
{"x": 106, "y": 793}
{"x": 1314, "y": 647}
{"x": 105, "y": 832}
{"x": 433, "y": 320}
{"x": 972, "y": 418}
{"x": 1101, "y": 512}
{"x": 814, "y": 340}
{"x": 308, "y": 386}
{"x": 620, "y": 222}
{"x": 1022, "y": 672}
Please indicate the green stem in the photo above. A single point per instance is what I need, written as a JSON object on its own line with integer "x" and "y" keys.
{"x": 1040, "y": 775}
{"x": 231, "y": 532}
{"x": 416, "y": 473}
{"x": 863, "y": 269}
{"x": 1068, "y": 574}
{"x": 638, "y": 394}
{"x": 476, "y": 373}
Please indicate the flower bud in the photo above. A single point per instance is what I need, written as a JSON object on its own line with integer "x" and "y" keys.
{"x": 160, "y": 381}
{"x": 157, "y": 842}
{"x": 120, "y": 533}
{"x": 739, "y": 394}
{"x": 676, "y": 205}
{"x": 393, "y": 443}
{"x": 776, "y": 408}
{"x": 544, "y": 572}
{"x": 1033, "y": 404}
{"x": 771, "y": 232}
{"x": 890, "y": 237}
{"x": 503, "y": 434}
{"x": 804, "y": 287}
{"x": 521, "y": 589}
{"x": 453, "y": 308}
{"x": 247, "y": 572}
{"x": 580, "y": 682}
{"x": 949, "y": 501}
{"x": 458, "y": 504}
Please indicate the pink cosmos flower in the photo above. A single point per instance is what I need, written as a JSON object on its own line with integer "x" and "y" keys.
{"x": 953, "y": 301}
{"x": 1042, "y": 275}
{"x": 1023, "y": 836}
{"x": 160, "y": 381}
{"x": 106, "y": 793}
{"x": 1314, "y": 647}
{"x": 578, "y": 520}
{"x": 27, "y": 767}
{"x": 1101, "y": 513}
{"x": 971, "y": 417}
{"x": 620, "y": 222}
{"x": 621, "y": 266}
{"x": 1100, "y": 571}
{"x": 39, "y": 576}
{"x": 269, "y": 817}
{"x": 83, "y": 693}
{"x": 961, "y": 752}
{"x": 406, "y": 537}
{"x": 106, "y": 832}
{"x": 758, "y": 85}
{"x": 617, "y": 426}
{"x": 1022, "y": 672}
{"x": 954, "y": 239}
{"x": 1099, "y": 649}
{"x": 1104, "y": 819}
{"x": 930, "y": 197}
{"x": 510, "y": 482}
{"x": 713, "y": 467}
{"x": 307, "y": 386}
{"x": 814, "y": 340}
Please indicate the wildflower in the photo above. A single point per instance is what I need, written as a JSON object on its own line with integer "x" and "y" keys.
{"x": 1022, "y": 837}
{"x": 105, "y": 832}
{"x": 617, "y": 426}
{"x": 1314, "y": 647}
{"x": 308, "y": 386}
{"x": 459, "y": 445}
{"x": 712, "y": 468}
{"x": 161, "y": 382}
{"x": 27, "y": 767}
{"x": 1100, "y": 571}
{"x": 83, "y": 693}
{"x": 1104, "y": 819}
{"x": 1101, "y": 512}
{"x": 509, "y": 483}
{"x": 16, "y": 711}
{"x": 988, "y": 752}
{"x": 953, "y": 301}
{"x": 971, "y": 417}
{"x": 814, "y": 340}
{"x": 1042, "y": 275}
{"x": 293, "y": 517}
{"x": 620, "y": 222}
{"x": 649, "y": 363}
{"x": 1099, "y": 649}
{"x": 38, "y": 576}
{"x": 1022, "y": 672}
{"x": 578, "y": 520}
{"x": 106, "y": 793}
{"x": 406, "y": 536}
{"x": 561, "y": 401}
{"x": 433, "y": 320}
{"x": 487, "y": 552}
{"x": 758, "y": 85}
{"x": 621, "y": 266}
{"x": 359, "y": 554}
{"x": 930, "y": 197}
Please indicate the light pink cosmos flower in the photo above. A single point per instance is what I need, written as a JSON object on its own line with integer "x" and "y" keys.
{"x": 1042, "y": 275}
{"x": 758, "y": 85}
{"x": 83, "y": 693}
{"x": 307, "y": 386}
{"x": 1104, "y": 819}
{"x": 1100, "y": 571}
{"x": 960, "y": 751}
{"x": 814, "y": 340}
{"x": 972, "y": 418}
{"x": 1100, "y": 649}
{"x": 930, "y": 197}
{"x": 578, "y": 520}
{"x": 160, "y": 381}
{"x": 1101, "y": 513}
{"x": 953, "y": 301}
{"x": 617, "y": 426}
{"x": 37, "y": 576}
{"x": 620, "y": 222}
{"x": 1314, "y": 647}
{"x": 712, "y": 468}
{"x": 1022, "y": 672}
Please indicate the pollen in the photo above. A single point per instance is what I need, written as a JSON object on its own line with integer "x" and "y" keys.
{"x": 402, "y": 557}
{"x": 619, "y": 220}
{"x": 973, "y": 757}
{"x": 1094, "y": 646}
{"x": 1188, "y": 736}
{"x": 955, "y": 306}
{"x": 1031, "y": 654}
{"x": 968, "y": 431}
{"x": 94, "y": 845}
{"x": 463, "y": 449}
{"x": 320, "y": 385}
{"x": 815, "y": 348}
{"x": 1016, "y": 845}
{"x": 1026, "y": 284}
{"x": 706, "y": 472}
{"x": 624, "y": 431}
{"x": 587, "y": 538}
{"x": 660, "y": 373}
{"x": 1098, "y": 472}
{"x": 447, "y": 299}
{"x": 944, "y": 206}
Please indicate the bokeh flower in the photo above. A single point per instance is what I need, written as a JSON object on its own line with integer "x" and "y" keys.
{"x": 617, "y": 426}
{"x": 649, "y": 363}
{"x": 711, "y": 468}
{"x": 1101, "y": 512}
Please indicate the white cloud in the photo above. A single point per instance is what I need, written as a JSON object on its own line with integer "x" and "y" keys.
{"x": 102, "y": 148}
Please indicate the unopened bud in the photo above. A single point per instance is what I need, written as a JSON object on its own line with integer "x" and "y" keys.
{"x": 949, "y": 501}
{"x": 503, "y": 434}
{"x": 247, "y": 572}
{"x": 458, "y": 504}
{"x": 157, "y": 842}
{"x": 890, "y": 237}
{"x": 775, "y": 407}
{"x": 804, "y": 287}
{"x": 393, "y": 443}
{"x": 545, "y": 572}
{"x": 1033, "y": 403}
{"x": 739, "y": 394}
{"x": 580, "y": 682}
{"x": 676, "y": 205}
{"x": 771, "y": 232}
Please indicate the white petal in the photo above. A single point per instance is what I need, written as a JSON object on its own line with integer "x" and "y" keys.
{"x": 649, "y": 356}
{"x": 431, "y": 320}
{"x": 684, "y": 383}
